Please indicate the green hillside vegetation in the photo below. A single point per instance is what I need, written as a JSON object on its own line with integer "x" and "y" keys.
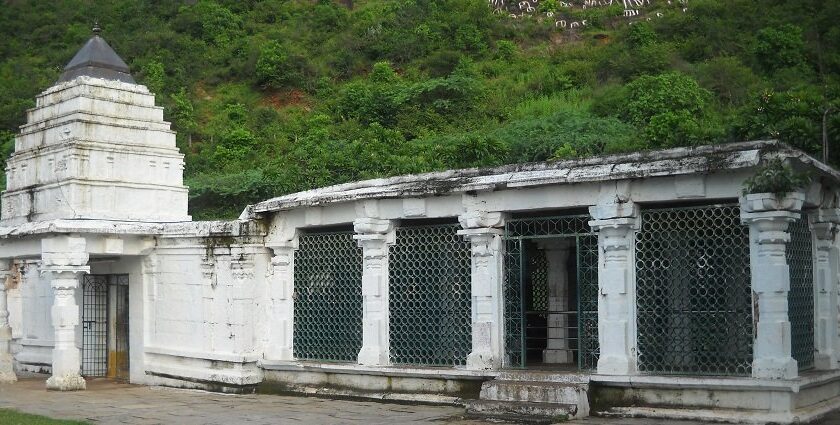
{"x": 277, "y": 96}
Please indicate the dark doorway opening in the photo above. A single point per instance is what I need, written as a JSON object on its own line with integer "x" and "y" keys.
{"x": 105, "y": 331}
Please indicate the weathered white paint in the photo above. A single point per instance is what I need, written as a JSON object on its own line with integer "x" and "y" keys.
{"x": 616, "y": 224}
{"x": 7, "y": 373}
{"x": 64, "y": 260}
{"x": 483, "y": 230}
{"x": 824, "y": 226}
{"x": 768, "y": 219}
{"x": 374, "y": 237}
{"x": 95, "y": 149}
{"x": 212, "y": 303}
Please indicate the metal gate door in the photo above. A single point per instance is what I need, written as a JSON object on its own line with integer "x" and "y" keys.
{"x": 105, "y": 347}
{"x": 95, "y": 325}
{"x": 584, "y": 328}
{"x": 119, "y": 353}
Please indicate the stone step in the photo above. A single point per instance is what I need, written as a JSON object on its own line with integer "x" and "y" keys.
{"x": 519, "y": 412}
{"x": 534, "y": 391}
{"x": 543, "y": 376}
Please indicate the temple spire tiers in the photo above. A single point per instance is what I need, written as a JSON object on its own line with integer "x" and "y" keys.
{"x": 64, "y": 261}
{"x": 616, "y": 224}
{"x": 7, "y": 372}
{"x": 825, "y": 223}
{"x": 374, "y": 236}
{"x": 768, "y": 219}
{"x": 484, "y": 231}
{"x": 94, "y": 147}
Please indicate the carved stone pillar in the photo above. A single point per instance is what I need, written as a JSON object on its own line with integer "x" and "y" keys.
{"x": 616, "y": 224}
{"x": 824, "y": 226}
{"x": 483, "y": 231}
{"x": 281, "y": 287}
{"x": 64, "y": 261}
{"x": 770, "y": 284}
{"x": 374, "y": 237}
{"x": 7, "y": 370}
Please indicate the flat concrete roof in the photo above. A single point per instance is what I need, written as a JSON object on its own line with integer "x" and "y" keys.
{"x": 678, "y": 161}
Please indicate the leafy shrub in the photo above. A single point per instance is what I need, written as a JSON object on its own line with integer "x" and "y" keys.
{"x": 779, "y": 47}
{"x": 777, "y": 178}
{"x": 729, "y": 79}
{"x": 563, "y": 135}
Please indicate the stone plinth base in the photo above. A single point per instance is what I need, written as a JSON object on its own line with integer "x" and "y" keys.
{"x": 66, "y": 383}
{"x": 7, "y": 370}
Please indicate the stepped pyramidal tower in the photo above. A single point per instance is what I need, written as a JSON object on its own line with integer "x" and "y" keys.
{"x": 95, "y": 146}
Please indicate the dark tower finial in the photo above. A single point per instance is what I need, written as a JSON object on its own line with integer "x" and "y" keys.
{"x": 97, "y": 59}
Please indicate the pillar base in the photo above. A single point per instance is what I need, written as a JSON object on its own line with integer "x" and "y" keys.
{"x": 825, "y": 361}
{"x": 481, "y": 360}
{"x": 775, "y": 368}
{"x": 557, "y": 356}
{"x": 373, "y": 356}
{"x": 283, "y": 354}
{"x": 7, "y": 370}
{"x": 616, "y": 366}
{"x": 66, "y": 383}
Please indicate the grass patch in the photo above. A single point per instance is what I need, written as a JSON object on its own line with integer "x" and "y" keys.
{"x": 13, "y": 417}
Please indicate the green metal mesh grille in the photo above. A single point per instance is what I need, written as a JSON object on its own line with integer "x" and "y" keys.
{"x": 694, "y": 299}
{"x": 801, "y": 295}
{"x": 518, "y": 231}
{"x": 328, "y": 297}
{"x": 538, "y": 265}
{"x": 430, "y": 294}
{"x": 514, "y": 346}
{"x": 569, "y": 225}
{"x": 587, "y": 273}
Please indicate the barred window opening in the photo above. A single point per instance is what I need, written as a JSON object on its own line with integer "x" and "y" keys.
{"x": 328, "y": 297}
{"x": 801, "y": 296}
{"x": 694, "y": 295}
{"x": 430, "y": 296}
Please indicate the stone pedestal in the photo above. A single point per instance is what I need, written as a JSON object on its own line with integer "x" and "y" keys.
{"x": 824, "y": 226}
{"x": 281, "y": 302}
{"x": 483, "y": 232}
{"x": 64, "y": 261}
{"x": 616, "y": 224}
{"x": 770, "y": 284}
{"x": 7, "y": 370}
{"x": 374, "y": 237}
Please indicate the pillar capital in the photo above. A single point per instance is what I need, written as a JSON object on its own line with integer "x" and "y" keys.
{"x": 372, "y": 226}
{"x": 824, "y": 223}
{"x": 477, "y": 219}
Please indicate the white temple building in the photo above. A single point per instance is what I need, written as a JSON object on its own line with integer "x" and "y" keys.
{"x": 642, "y": 284}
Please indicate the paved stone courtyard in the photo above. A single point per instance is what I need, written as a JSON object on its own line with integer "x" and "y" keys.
{"x": 107, "y": 402}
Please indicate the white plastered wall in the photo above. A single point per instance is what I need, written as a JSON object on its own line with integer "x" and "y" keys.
{"x": 29, "y": 315}
{"x": 204, "y": 296}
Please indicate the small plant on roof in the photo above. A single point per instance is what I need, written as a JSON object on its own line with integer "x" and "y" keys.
{"x": 777, "y": 178}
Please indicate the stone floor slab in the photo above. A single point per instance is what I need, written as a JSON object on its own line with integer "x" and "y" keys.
{"x": 107, "y": 402}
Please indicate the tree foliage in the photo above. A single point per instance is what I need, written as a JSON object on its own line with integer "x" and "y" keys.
{"x": 276, "y": 96}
